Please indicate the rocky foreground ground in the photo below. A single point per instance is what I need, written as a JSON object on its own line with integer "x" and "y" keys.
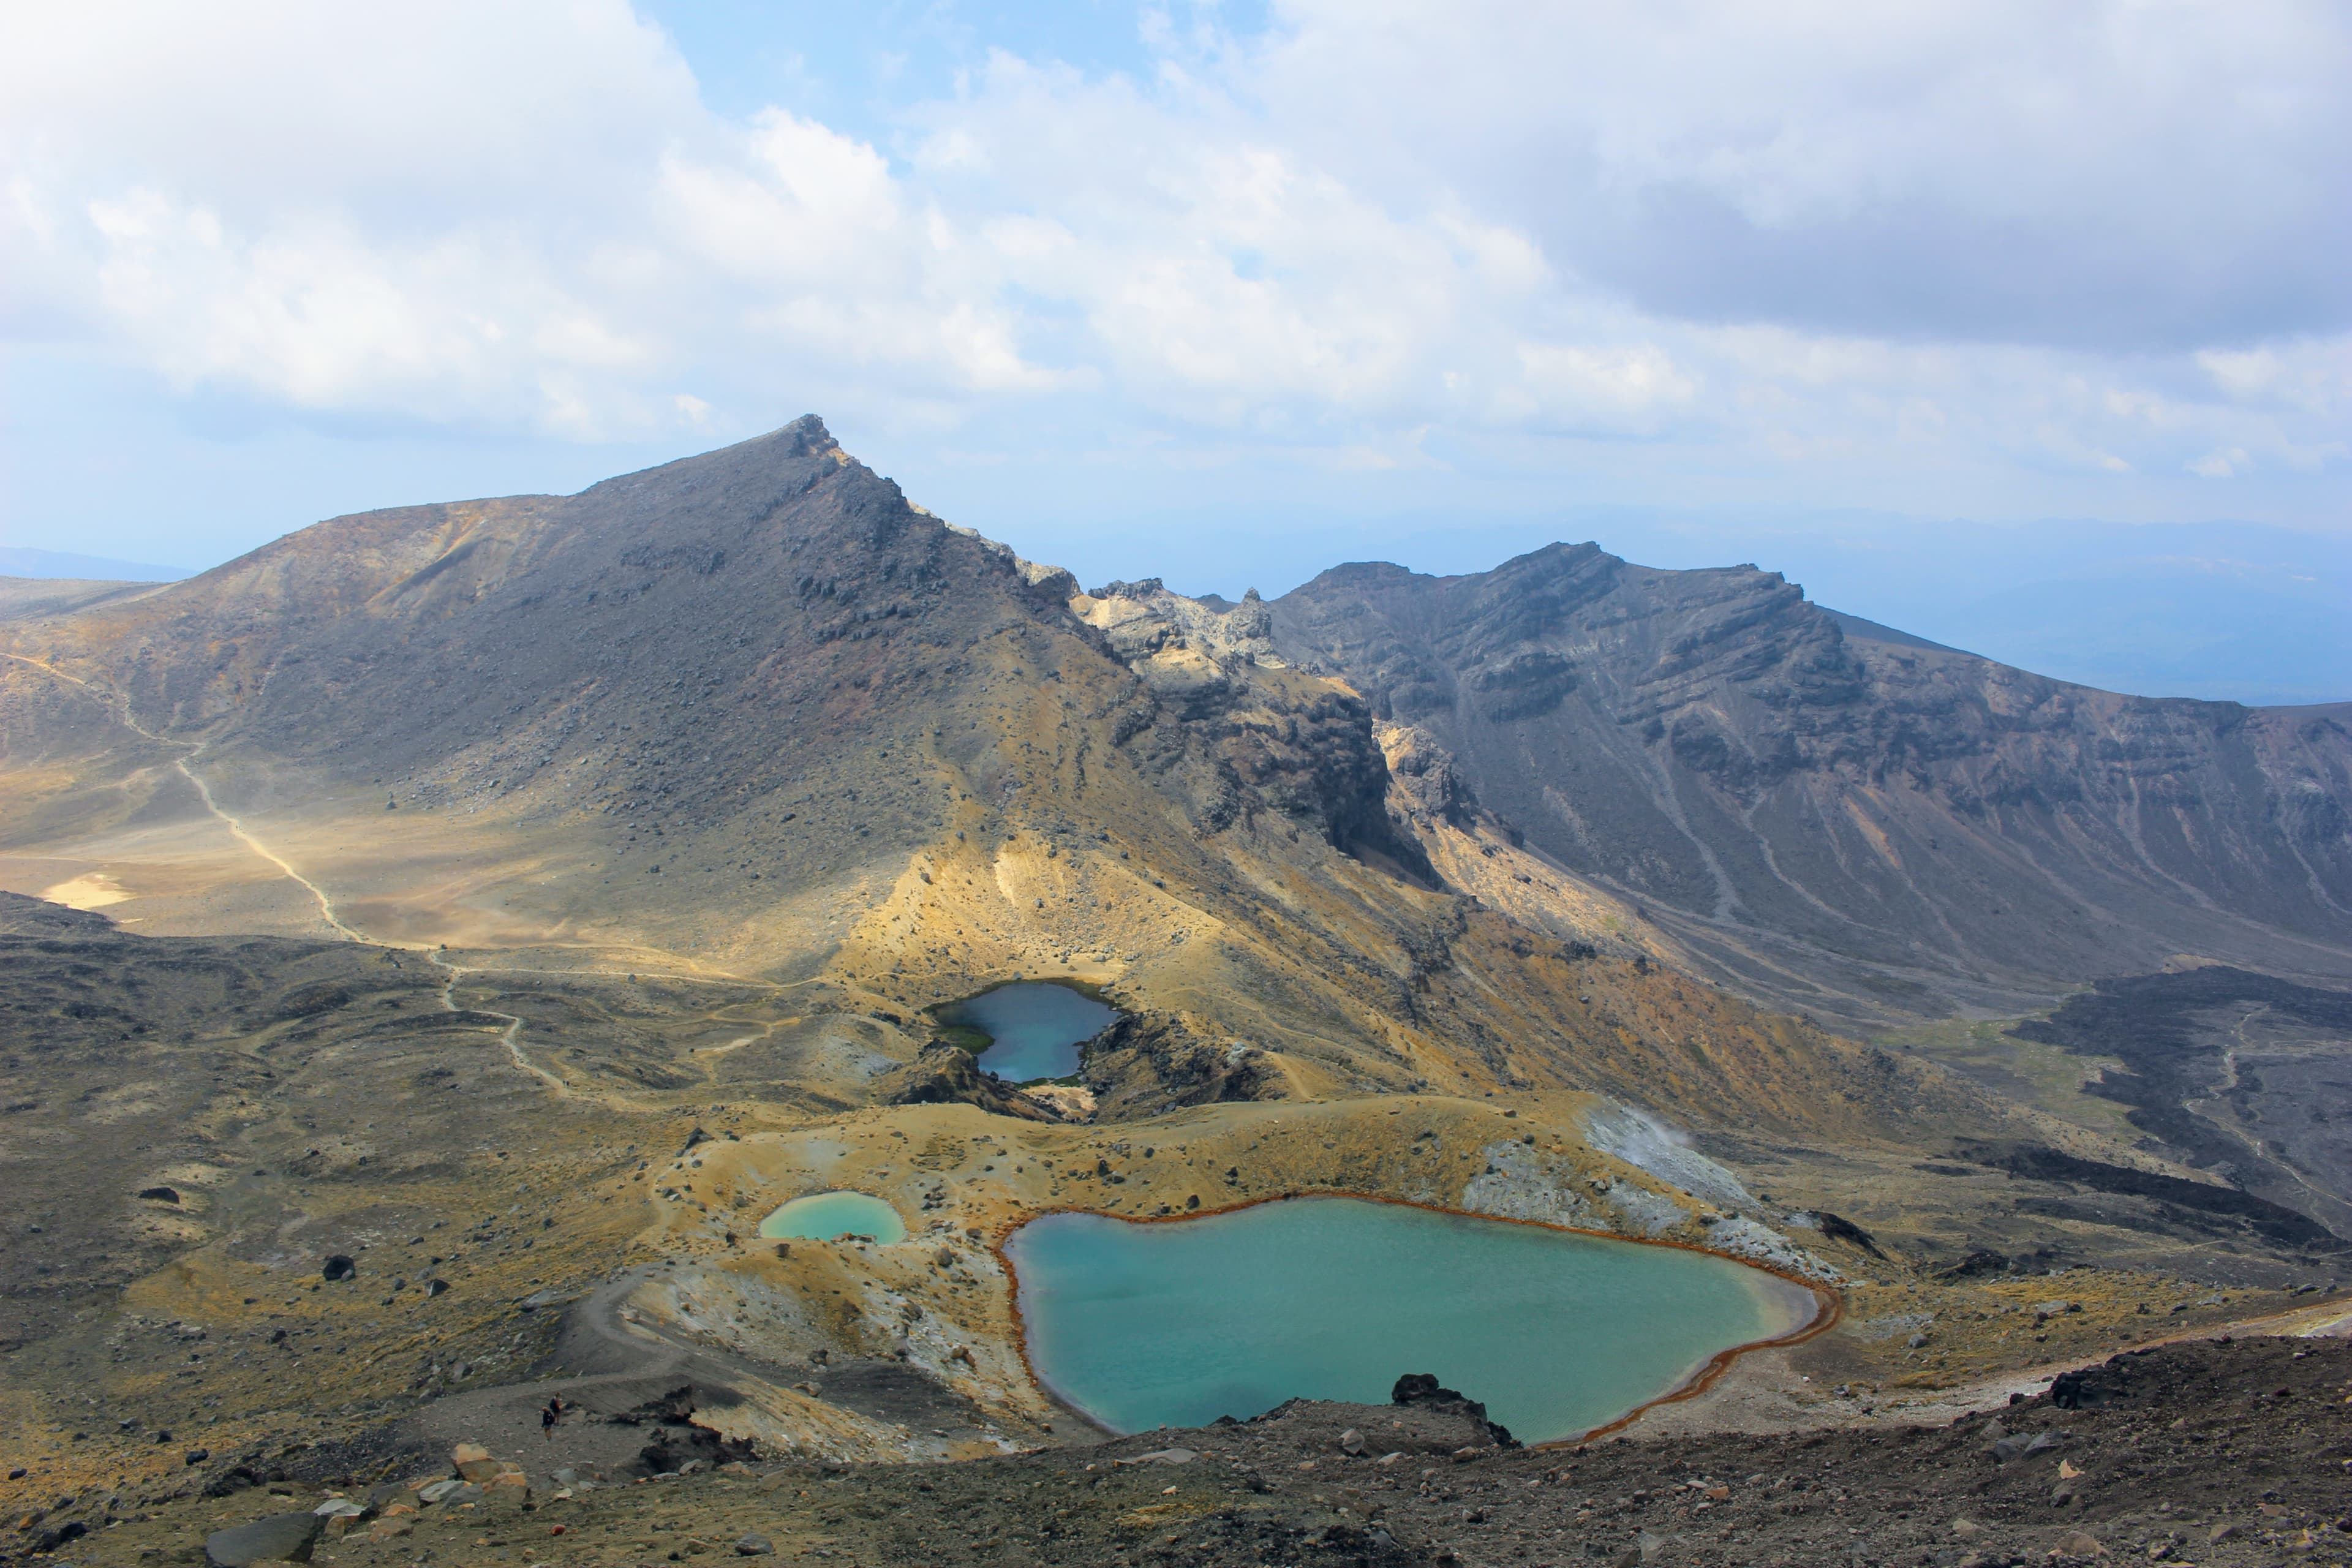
{"x": 2223, "y": 1452}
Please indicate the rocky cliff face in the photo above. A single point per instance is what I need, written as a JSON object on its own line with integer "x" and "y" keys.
{"x": 1867, "y": 828}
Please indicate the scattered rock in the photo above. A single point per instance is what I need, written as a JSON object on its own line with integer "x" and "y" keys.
{"x": 2080, "y": 1543}
{"x": 2019, "y": 1445}
{"x": 338, "y": 1268}
{"x": 280, "y": 1538}
{"x": 1421, "y": 1389}
{"x": 1351, "y": 1442}
{"x": 754, "y": 1545}
{"x": 389, "y": 1529}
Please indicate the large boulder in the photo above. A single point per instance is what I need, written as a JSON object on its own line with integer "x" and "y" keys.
{"x": 1421, "y": 1390}
{"x": 473, "y": 1462}
{"x": 280, "y": 1538}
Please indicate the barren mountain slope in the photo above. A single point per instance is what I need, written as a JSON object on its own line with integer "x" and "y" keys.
{"x": 1867, "y": 830}
{"x": 753, "y": 715}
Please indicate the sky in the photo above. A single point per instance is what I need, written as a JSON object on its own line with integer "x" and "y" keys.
{"x": 2026, "y": 326}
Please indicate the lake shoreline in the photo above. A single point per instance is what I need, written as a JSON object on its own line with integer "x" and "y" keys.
{"x": 1828, "y": 1305}
{"x": 1047, "y": 1046}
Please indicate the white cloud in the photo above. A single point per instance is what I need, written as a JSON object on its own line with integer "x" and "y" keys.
{"x": 2219, "y": 465}
{"x": 1806, "y": 240}
{"x": 2109, "y": 172}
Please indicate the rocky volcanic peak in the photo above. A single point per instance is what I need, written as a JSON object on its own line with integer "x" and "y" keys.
{"x": 1860, "y": 826}
{"x": 761, "y": 673}
{"x": 759, "y": 577}
{"x": 1140, "y": 619}
{"x": 1304, "y": 745}
{"x": 699, "y": 654}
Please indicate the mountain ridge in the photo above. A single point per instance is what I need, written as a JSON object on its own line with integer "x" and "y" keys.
{"x": 1783, "y": 794}
{"x": 755, "y": 714}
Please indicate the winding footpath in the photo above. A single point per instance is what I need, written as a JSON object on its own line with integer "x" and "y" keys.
{"x": 120, "y": 707}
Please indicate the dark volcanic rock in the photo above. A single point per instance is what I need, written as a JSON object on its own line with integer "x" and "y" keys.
{"x": 1144, "y": 1064}
{"x": 2226, "y": 1207}
{"x": 2205, "y": 1048}
{"x": 947, "y": 1074}
{"x": 675, "y": 1441}
{"x": 1420, "y": 1390}
{"x": 280, "y": 1538}
{"x": 1839, "y": 1228}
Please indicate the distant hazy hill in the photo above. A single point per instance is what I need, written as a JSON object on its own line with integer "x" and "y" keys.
{"x": 20, "y": 561}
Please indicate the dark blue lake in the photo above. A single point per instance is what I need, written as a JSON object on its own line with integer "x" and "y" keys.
{"x": 1034, "y": 1026}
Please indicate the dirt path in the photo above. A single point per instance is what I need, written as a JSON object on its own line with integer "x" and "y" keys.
{"x": 1763, "y": 1392}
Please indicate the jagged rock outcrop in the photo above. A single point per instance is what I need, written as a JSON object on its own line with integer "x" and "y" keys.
{"x": 1142, "y": 1066}
{"x": 1426, "y": 777}
{"x": 946, "y": 1074}
{"x": 1246, "y": 727}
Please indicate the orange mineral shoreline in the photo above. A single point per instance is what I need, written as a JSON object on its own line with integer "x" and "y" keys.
{"x": 1828, "y": 1305}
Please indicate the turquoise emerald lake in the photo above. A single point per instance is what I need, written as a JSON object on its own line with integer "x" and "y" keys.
{"x": 822, "y": 1216}
{"x": 1035, "y": 1027}
{"x": 1326, "y": 1298}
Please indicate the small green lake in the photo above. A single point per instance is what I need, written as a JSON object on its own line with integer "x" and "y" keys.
{"x": 1034, "y": 1026}
{"x": 822, "y": 1216}
{"x": 1324, "y": 1297}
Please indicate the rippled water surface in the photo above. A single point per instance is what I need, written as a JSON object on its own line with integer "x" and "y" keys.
{"x": 1180, "y": 1322}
